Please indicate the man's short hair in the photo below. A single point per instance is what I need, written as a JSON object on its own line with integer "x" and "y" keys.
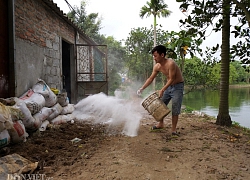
{"x": 160, "y": 49}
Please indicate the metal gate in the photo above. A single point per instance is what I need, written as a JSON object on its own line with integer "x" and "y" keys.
{"x": 91, "y": 70}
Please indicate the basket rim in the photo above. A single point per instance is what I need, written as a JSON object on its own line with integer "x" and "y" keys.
{"x": 152, "y": 100}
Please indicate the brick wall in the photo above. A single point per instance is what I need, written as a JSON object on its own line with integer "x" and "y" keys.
{"x": 38, "y": 27}
{"x": 37, "y": 23}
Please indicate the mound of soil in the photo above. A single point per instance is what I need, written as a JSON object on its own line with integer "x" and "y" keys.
{"x": 203, "y": 150}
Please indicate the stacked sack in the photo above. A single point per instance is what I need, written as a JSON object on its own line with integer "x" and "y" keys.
{"x": 35, "y": 109}
{"x": 56, "y": 109}
{"x": 62, "y": 113}
{"x": 12, "y": 129}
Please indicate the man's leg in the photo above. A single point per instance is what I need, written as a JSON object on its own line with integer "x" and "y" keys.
{"x": 160, "y": 124}
{"x": 166, "y": 99}
{"x": 176, "y": 105}
{"x": 174, "y": 122}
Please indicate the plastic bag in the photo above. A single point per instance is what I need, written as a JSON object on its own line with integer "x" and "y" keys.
{"x": 4, "y": 138}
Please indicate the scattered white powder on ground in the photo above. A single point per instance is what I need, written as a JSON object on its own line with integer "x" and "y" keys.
{"x": 116, "y": 112}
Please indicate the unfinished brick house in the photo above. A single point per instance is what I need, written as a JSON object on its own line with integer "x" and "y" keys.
{"x": 38, "y": 41}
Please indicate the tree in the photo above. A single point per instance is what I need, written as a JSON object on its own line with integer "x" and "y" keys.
{"x": 244, "y": 6}
{"x": 91, "y": 25}
{"x": 157, "y": 8}
{"x": 204, "y": 13}
{"x": 116, "y": 61}
{"x": 197, "y": 73}
{"x": 241, "y": 50}
{"x": 182, "y": 42}
{"x": 215, "y": 76}
{"x": 138, "y": 45}
{"x": 223, "y": 117}
{"x": 241, "y": 73}
{"x": 209, "y": 13}
{"x": 88, "y": 23}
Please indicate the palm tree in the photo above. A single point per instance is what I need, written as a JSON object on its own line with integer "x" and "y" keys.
{"x": 223, "y": 117}
{"x": 157, "y": 8}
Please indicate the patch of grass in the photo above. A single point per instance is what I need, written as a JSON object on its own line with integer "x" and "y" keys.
{"x": 206, "y": 146}
{"x": 235, "y": 124}
{"x": 188, "y": 109}
{"x": 247, "y": 130}
{"x": 238, "y": 126}
{"x": 165, "y": 149}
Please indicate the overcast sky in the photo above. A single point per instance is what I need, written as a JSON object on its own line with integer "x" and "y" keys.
{"x": 120, "y": 16}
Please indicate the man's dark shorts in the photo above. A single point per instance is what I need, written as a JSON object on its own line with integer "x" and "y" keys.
{"x": 174, "y": 92}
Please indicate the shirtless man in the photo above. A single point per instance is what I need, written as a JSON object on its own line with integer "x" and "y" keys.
{"x": 174, "y": 87}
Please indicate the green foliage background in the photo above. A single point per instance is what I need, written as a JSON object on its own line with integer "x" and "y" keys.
{"x": 132, "y": 58}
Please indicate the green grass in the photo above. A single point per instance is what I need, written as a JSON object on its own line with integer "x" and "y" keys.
{"x": 188, "y": 109}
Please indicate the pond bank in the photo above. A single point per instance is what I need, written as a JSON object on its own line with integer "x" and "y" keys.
{"x": 239, "y": 86}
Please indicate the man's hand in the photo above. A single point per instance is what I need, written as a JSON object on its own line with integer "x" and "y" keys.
{"x": 139, "y": 91}
{"x": 160, "y": 93}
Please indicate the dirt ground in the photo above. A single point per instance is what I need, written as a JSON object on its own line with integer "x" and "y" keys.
{"x": 203, "y": 150}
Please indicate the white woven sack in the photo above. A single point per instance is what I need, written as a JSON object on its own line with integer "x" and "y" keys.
{"x": 43, "y": 114}
{"x": 42, "y": 88}
{"x": 5, "y": 117}
{"x": 71, "y": 117}
{"x": 61, "y": 119}
{"x": 27, "y": 118}
{"x": 57, "y": 110}
{"x": 68, "y": 109}
{"x": 34, "y": 101}
{"x": 63, "y": 99}
{"x": 40, "y": 117}
{"x": 5, "y": 114}
{"x": 18, "y": 132}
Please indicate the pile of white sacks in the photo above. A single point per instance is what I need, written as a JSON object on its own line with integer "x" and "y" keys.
{"x": 34, "y": 110}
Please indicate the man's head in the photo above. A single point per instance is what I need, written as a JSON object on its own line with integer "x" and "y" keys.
{"x": 159, "y": 53}
{"x": 160, "y": 50}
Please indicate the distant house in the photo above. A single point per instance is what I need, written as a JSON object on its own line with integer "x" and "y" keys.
{"x": 38, "y": 41}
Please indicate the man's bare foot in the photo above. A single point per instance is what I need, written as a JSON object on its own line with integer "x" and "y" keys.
{"x": 155, "y": 127}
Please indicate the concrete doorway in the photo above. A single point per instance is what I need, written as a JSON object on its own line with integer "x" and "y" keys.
{"x": 66, "y": 68}
{"x": 4, "y": 50}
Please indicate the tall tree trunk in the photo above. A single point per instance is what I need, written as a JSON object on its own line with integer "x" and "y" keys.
{"x": 223, "y": 117}
{"x": 182, "y": 60}
{"x": 154, "y": 46}
{"x": 154, "y": 30}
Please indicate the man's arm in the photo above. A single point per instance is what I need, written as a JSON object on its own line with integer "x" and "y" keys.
{"x": 150, "y": 79}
